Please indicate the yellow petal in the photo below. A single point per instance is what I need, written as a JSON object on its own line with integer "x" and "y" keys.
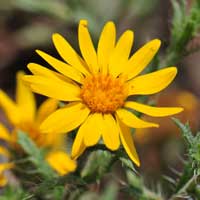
{"x": 62, "y": 67}
{"x": 39, "y": 70}
{"x": 69, "y": 54}
{"x": 4, "y": 133}
{"x": 91, "y": 129}
{"x": 65, "y": 119}
{"x": 153, "y": 111}
{"x": 46, "y": 108}
{"x": 121, "y": 53}
{"x": 10, "y": 108}
{"x": 86, "y": 46}
{"x": 110, "y": 132}
{"x": 25, "y": 99}
{"x": 4, "y": 152}
{"x": 78, "y": 146}
{"x": 5, "y": 166}
{"x": 131, "y": 120}
{"x": 60, "y": 90}
{"x": 106, "y": 45}
{"x": 141, "y": 59}
{"x": 3, "y": 180}
{"x": 127, "y": 142}
{"x": 153, "y": 82}
{"x": 61, "y": 162}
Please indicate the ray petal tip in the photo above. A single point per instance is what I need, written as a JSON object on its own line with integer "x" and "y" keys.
{"x": 130, "y": 33}
{"x": 157, "y": 41}
{"x": 20, "y": 73}
{"x": 179, "y": 110}
{"x": 38, "y": 51}
{"x": 156, "y": 125}
{"x": 30, "y": 66}
{"x": 153, "y": 125}
{"x": 173, "y": 71}
{"x": 155, "y": 44}
{"x": 83, "y": 22}
{"x": 137, "y": 162}
{"x": 110, "y": 23}
{"x": 55, "y": 35}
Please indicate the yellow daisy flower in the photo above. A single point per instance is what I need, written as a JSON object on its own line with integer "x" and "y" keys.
{"x": 97, "y": 86}
{"x": 24, "y": 116}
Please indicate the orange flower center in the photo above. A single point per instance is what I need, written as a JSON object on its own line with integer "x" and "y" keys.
{"x": 103, "y": 93}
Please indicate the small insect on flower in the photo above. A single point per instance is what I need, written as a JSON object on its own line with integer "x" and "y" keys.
{"x": 96, "y": 88}
{"x": 24, "y": 116}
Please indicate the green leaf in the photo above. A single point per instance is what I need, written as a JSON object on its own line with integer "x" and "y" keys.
{"x": 126, "y": 162}
{"x": 98, "y": 163}
{"x": 89, "y": 196}
{"x": 27, "y": 144}
{"x": 178, "y": 20}
{"x": 110, "y": 193}
{"x": 192, "y": 168}
{"x": 186, "y": 131}
{"x": 52, "y": 8}
{"x": 36, "y": 155}
{"x": 133, "y": 179}
{"x": 58, "y": 191}
{"x": 185, "y": 26}
{"x": 193, "y": 142}
{"x": 13, "y": 193}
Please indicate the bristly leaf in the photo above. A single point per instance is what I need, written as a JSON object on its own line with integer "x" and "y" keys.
{"x": 185, "y": 24}
{"x": 179, "y": 17}
{"x": 27, "y": 144}
{"x": 186, "y": 131}
{"x": 193, "y": 143}
{"x": 126, "y": 162}
{"x": 138, "y": 189}
{"x": 192, "y": 168}
{"x": 36, "y": 155}
{"x": 97, "y": 164}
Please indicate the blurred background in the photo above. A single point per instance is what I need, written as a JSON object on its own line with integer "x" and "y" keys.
{"x": 26, "y": 25}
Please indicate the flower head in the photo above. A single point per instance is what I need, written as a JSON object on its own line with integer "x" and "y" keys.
{"x": 96, "y": 88}
{"x": 24, "y": 116}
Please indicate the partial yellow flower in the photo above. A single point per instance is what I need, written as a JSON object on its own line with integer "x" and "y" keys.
{"x": 24, "y": 116}
{"x": 96, "y": 88}
{"x": 4, "y": 135}
{"x": 61, "y": 162}
{"x": 3, "y": 167}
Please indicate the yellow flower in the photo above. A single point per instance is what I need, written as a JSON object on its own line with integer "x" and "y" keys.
{"x": 97, "y": 88}
{"x": 23, "y": 115}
